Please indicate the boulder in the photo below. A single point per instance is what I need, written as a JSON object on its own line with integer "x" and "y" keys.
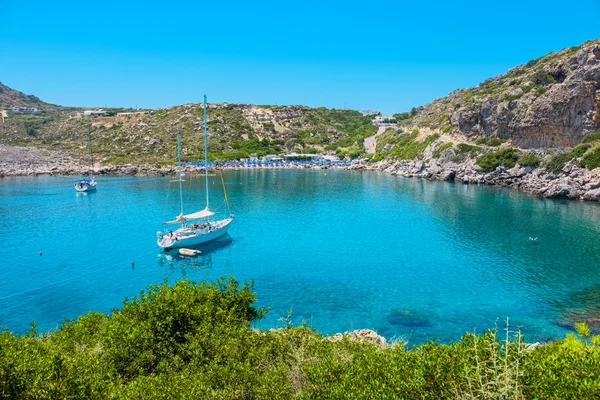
{"x": 592, "y": 195}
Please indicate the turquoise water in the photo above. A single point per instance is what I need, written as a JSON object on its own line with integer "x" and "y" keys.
{"x": 343, "y": 250}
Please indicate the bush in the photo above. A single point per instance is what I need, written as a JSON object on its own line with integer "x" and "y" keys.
{"x": 193, "y": 340}
{"x": 529, "y": 160}
{"x": 592, "y": 137}
{"x": 464, "y": 150}
{"x": 355, "y": 152}
{"x": 591, "y": 159}
{"x": 558, "y": 162}
{"x": 541, "y": 77}
{"x": 489, "y": 141}
{"x": 408, "y": 148}
{"x": 490, "y": 161}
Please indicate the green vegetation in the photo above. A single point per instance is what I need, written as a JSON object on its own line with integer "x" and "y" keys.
{"x": 489, "y": 141}
{"x": 402, "y": 116}
{"x": 591, "y": 159}
{"x": 464, "y": 151}
{"x": 542, "y": 78}
{"x": 529, "y": 160}
{"x": 513, "y": 97}
{"x": 194, "y": 340}
{"x": 506, "y": 157}
{"x": 591, "y": 137}
{"x": 405, "y": 146}
{"x": 443, "y": 147}
{"x": 558, "y": 161}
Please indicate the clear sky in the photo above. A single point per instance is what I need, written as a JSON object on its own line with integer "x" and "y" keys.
{"x": 386, "y": 56}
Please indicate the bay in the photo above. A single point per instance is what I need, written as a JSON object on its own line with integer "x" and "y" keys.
{"x": 339, "y": 250}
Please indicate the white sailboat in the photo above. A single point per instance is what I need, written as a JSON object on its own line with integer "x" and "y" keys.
{"x": 89, "y": 184}
{"x": 197, "y": 227}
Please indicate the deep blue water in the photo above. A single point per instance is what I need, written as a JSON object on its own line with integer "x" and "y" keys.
{"x": 344, "y": 250}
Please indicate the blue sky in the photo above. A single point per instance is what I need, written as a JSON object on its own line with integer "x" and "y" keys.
{"x": 387, "y": 56}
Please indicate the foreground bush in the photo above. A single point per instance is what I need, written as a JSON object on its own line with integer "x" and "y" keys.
{"x": 193, "y": 340}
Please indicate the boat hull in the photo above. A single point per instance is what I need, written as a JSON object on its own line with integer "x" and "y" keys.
{"x": 193, "y": 240}
{"x": 85, "y": 187}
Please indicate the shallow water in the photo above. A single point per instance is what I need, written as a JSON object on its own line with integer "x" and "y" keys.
{"x": 343, "y": 250}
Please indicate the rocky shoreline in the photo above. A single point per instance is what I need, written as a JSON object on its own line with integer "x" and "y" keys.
{"x": 572, "y": 182}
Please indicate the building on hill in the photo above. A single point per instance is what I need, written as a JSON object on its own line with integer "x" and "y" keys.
{"x": 24, "y": 109}
{"x": 383, "y": 120}
{"x": 94, "y": 113}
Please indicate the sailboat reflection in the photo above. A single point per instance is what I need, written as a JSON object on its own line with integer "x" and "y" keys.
{"x": 176, "y": 261}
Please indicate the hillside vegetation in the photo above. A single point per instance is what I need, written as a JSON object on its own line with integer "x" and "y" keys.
{"x": 193, "y": 340}
{"x": 235, "y": 131}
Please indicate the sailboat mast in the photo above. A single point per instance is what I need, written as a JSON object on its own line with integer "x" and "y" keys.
{"x": 179, "y": 168}
{"x": 89, "y": 149}
{"x": 205, "y": 155}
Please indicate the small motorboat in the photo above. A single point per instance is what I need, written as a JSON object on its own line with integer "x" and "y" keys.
{"x": 189, "y": 252}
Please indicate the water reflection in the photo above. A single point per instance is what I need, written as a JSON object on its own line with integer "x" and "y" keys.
{"x": 178, "y": 264}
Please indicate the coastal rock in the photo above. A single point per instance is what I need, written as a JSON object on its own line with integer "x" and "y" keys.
{"x": 592, "y": 195}
{"x": 548, "y": 102}
{"x": 366, "y": 335}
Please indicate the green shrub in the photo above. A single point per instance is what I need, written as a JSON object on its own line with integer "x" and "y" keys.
{"x": 529, "y": 160}
{"x": 355, "y": 152}
{"x": 591, "y": 137}
{"x": 490, "y": 161}
{"x": 558, "y": 162}
{"x": 446, "y": 128}
{"x": 489, "y": 141}
{"x": 591, "y": 159}
{"x": 580, "y": 149}
{"x": 541, "y": 77}
{"x": 511, "y": 97}
{"x": 464, "y": 150}
{"x": 408, "y": 148}
{"x": 193, "y": 340}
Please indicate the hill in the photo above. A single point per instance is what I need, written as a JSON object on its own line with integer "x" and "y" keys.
{"x": 13, "y": 98}
{"x": 552, "y": 101}
{"x": 235, "y": 131}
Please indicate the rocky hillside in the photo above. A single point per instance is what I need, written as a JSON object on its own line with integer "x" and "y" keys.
{"x": 552, "y": 101}
{"x": 235, "y": 131}
{"x": 13, "y": 98}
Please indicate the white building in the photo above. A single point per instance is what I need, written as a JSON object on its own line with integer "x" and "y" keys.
{"x": 94, "y": 113}
{"x": 272, "y": 157}
{"x": 24, "y": 109}
{"x": 380, "y": 120}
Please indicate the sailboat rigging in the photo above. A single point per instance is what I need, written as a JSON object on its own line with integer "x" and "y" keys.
{"x": 89, "y": 184}
{"x": 201, "y": 229}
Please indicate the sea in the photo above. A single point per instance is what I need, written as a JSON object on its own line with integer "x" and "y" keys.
{"x": 335, "y": 250}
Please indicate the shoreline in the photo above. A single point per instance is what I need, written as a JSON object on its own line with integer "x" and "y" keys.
{"x": 572, "y": 182}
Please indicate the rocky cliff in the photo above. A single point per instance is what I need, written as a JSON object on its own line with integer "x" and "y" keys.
{"x": 552, "y": 101}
